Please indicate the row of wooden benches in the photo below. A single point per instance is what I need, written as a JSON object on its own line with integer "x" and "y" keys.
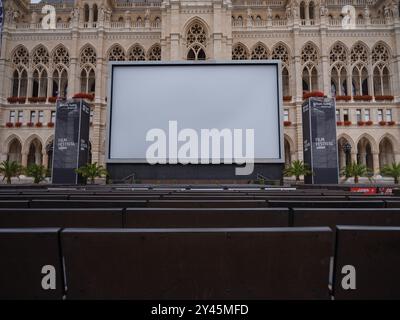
{"x": 196, "y": 203}
{"x": 201, "y": 263}
{"x": 197, "y": 217}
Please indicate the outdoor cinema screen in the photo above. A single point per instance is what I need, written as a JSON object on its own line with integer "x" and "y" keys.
{"x": 180, "y": 102}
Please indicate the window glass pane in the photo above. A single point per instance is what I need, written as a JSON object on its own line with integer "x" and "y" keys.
{"x": 358, "y": 114}
{"x": 20, "y": 116}
{"x": 286, "y": 115}
{"x": 380, "y": 115}
{"x": 346, "y": 114}
{"x": 41, "y": 116}
{"x": 367, "y": 115}
{"x": 337, "y": 115}
{"x": 12, "y": 116}
{"x": 33, "y": 116}
{"x": 388, "y": 114}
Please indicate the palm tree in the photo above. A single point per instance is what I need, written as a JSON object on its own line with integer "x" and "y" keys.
{"x": 10, "y": 169}
{"x": 356, "y": 170}
{"x": 37, "y": 172}
{"x": 297, "y": 168}
{"x": 393, "y": 171}
{"x": 92, "y": 171}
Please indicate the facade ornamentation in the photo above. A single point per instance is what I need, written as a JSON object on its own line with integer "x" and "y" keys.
{"x": 357, "y": 66}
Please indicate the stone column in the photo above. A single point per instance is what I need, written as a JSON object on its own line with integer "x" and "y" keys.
{"x": 353, "y": 156}
{"x": 363, "y": 159}
{"x": 325, "y": 76}
{"x": 375, "y": 160}
{"x": 24, "y": 161}
{"x": 73, "y": 79}
{"x": 50, "y": 86}
{"x": 91, "y": 16}
{"x": 45, "y": 159}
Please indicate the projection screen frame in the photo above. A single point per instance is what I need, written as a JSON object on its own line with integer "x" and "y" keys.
{"x": 115, "y": 64}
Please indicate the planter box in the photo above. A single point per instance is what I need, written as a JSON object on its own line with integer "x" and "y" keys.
{"x": 362, "y": 98}
{"x": 384, "y": 98}
{"x": 343, "y": 98}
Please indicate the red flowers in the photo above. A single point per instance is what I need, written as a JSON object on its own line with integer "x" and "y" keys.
{"x": 287, "y": 98}
{"x": 339, "y": 123}
{"x": 360, "y": 123}
{"x": 86, "y": 96}
{"x": 382, "y": 123}
{"x": 52, "y": 99}
{"x": 287, "y": 123}
{"x": 343, "y": 98}
{"x": 50, "y": 124}
{"x": 347, "y": 123}
{"x": 9, "y": 124}
{"x": 39, "y": 124}
{"x": 30, "y": 124}
{"x": 18, "y": 124}
{"x": 369, "y": 123}
{"x": 384, "y": 98}
{"x": 362, "y": 98}
{"x": 313, "y": 94}
{"x": 12, "y": 99}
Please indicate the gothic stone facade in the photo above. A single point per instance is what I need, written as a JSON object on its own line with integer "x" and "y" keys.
{"x": 360, "y": 65}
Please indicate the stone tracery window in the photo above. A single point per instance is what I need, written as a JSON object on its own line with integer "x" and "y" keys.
{"x": 116, "y": 53}
{"x": 309, "y": 58}
{"x": 61, "y": 56}
{"x": 338, "y": 59}
{"x": 20, "y": 82}
{"x": 359, "y": 57}
{"x": 40, "y": 56}
{"x": 88, "y": 79}
{"x": 60, "y": 82}
{"x": 239, "y": 52}
{"x": 310, "y": 77}
{"x": 40, "y": 79}
{"x": 338, "y": 53}
{"x": 136, "y": 53}
{"x": 196, "y": 34}
{"x": 88, "y": 60}
{"x": 309, "y": 54}
{"x": 40, "y": 63}
{"x": 280, "y": 52}
{"x": 20, "y": 64}
{"x": 259, "y": 52}
{"x": 381, "y": 76}
{"x": 60, "y": 59}
{"x": 154, "y": 53}
{"x": 21, "y": 57}
{"x": 359, "y": 52}
{"x": 196, "y": 41}
{"x": 380, "y": 53}
{"x": 88, "y": 56}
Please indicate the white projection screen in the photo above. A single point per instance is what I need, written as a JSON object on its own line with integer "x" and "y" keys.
{"x": 196, "y": 95}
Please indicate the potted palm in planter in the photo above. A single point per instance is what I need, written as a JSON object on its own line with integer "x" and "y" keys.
{"x": 92, "y": 171}
{"x": 10, "y": 169}
{"x": 37, "y": 172}
{"x": 393, "y": 171}
{"x": 297, "y": 168}
{"x": 356, "y": 170}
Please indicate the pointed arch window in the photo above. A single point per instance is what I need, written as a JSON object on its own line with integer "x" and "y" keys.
{"x": 196, "y": 42}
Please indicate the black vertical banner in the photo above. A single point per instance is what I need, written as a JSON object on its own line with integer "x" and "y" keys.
{"x": 71, "y": 140}
{"x": 320, "y": 142}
